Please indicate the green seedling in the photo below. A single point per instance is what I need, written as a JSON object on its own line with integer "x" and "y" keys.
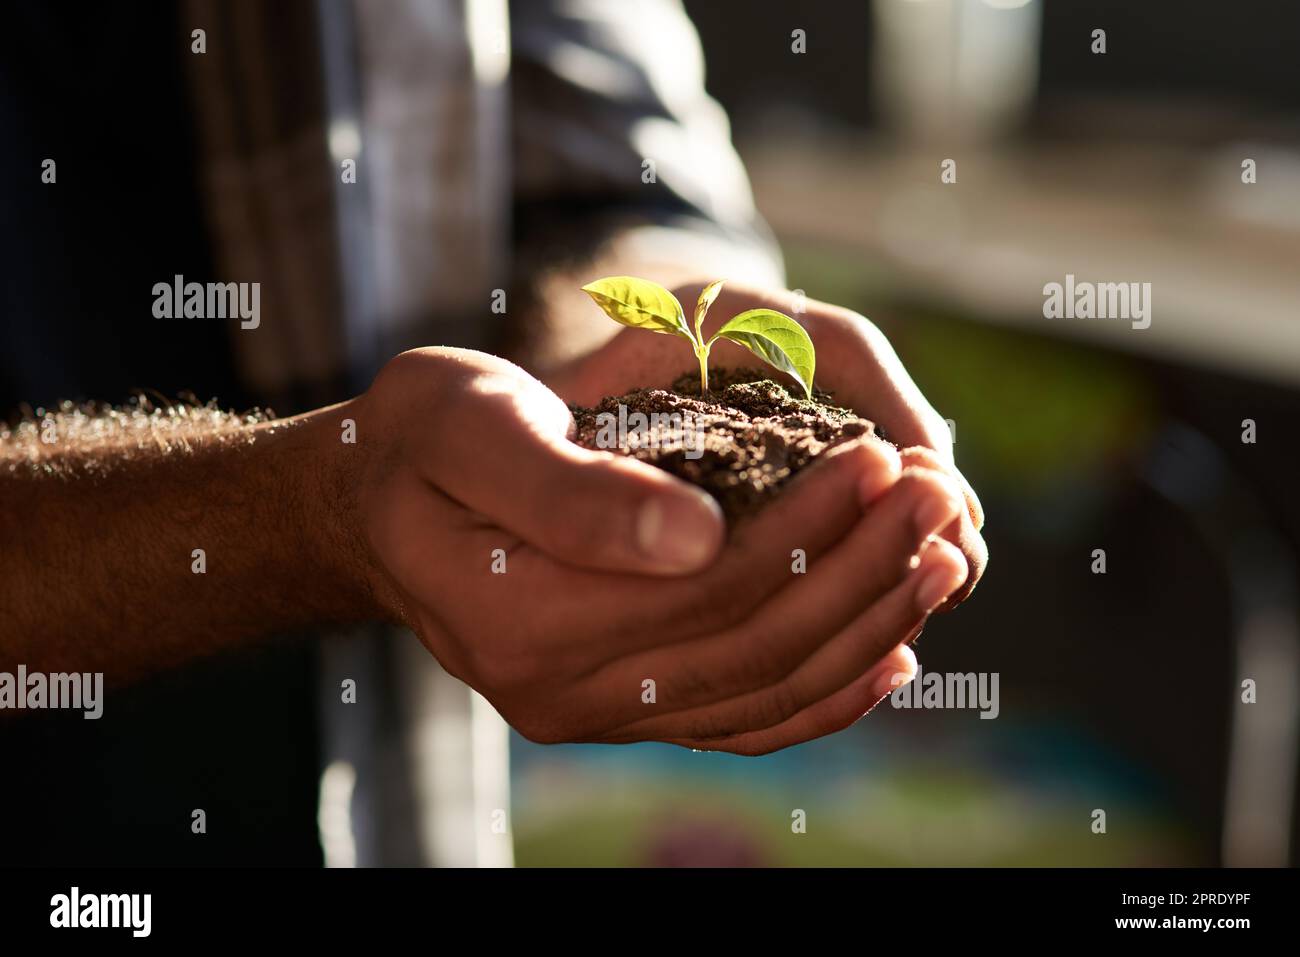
{"x": 772, "y": 336}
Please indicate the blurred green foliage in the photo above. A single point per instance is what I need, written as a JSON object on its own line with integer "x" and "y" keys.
{"x": 917, "y": 818}
{"x": 1030, "y": 411}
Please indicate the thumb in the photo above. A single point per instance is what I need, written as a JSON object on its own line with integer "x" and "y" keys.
{"x": 509, "y": 458}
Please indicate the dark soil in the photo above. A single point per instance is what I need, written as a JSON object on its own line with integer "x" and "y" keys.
{"x": 742, "y": 443}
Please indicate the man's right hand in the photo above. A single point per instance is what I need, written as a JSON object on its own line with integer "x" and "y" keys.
{"x": 625, "y": 611}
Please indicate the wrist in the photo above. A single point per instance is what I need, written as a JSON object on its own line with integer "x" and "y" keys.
{"x": 333, "y": 452}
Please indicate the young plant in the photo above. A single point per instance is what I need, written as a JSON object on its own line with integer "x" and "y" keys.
{"x": 772, "y": 336}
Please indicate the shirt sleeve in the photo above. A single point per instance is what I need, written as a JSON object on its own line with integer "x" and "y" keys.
{"x": 611, "y": 120}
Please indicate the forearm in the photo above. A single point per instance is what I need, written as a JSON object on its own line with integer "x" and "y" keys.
{"x": 144, "y": 549}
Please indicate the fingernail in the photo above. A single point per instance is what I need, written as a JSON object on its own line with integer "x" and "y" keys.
{"x": 935, "y": 586}
{"x": 888, "y": 683}
{"x": 893, "y": 678}
{"x": 676, "y": 531}
{"x": 933, "y": 513}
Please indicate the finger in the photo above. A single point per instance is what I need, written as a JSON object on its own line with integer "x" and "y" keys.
{"x": 892, "y": 671}
{"x": 506, "y": 455}
{"x": 940, "y": 570}
{"x": 789, "y": 626}
{"x": 873, "y": 380}
{"x": 861, "y": 362}
{"x": 637, "y": 614}
{"x": 962, "y": 533}
{"x": 851, "y": 652}
{"x": 419, "y": 566}
{"x": 877, "y": 555}
{"x": 863, "y": 641}
{"x": 819, "y": 508}
{"x": 925, "y": 456}
{"x": 842, "y": 710}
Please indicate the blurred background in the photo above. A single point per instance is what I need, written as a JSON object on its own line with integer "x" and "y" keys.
{"x": 1119, "y": 691}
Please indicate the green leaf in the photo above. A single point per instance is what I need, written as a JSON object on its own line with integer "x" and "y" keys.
{"x": 707, "y": 295}
{"x": 641, "y": 304}
{"x": 776, "y": 339}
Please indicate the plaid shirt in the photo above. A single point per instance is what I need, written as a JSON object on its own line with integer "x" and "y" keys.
{"x": 459, "y": 116}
